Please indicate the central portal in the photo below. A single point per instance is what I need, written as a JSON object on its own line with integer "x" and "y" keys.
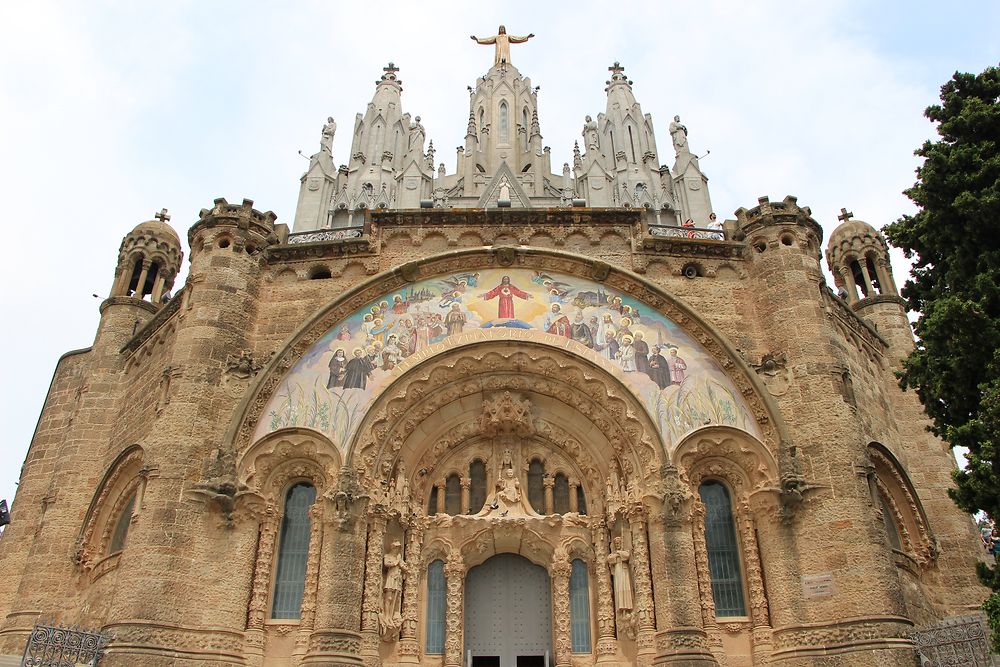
{"x": 508, "y": 617}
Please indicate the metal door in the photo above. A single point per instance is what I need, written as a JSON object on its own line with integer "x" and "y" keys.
{"x": 508, "y": 609}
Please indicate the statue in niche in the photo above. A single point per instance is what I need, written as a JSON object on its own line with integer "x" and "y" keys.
{"x": 326, "y": 140}
{"x": 618, "y": 560}
{"x": 391, "y": 617}
{"x": 590, "y": 134}
{"x": 507, "y": 499}
{"x": 679, "y": 134}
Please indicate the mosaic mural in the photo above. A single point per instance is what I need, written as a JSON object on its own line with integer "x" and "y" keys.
{"x": 333, "y": 384}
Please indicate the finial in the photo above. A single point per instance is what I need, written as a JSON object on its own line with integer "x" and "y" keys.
{"x": 616, "y": 68}
{"x": 162, "y": 216}
{"x": 845, "y": 215}
{"x": 391, "y": 68}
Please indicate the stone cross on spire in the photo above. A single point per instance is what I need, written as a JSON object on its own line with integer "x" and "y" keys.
{"x": 616, "y": 68}
{"x": 845, "y": 215}
{"x": 162, "y": 216}
{"x": 390, "y": 68}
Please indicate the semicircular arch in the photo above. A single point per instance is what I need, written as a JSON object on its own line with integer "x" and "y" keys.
{"x": 710, "y": 385}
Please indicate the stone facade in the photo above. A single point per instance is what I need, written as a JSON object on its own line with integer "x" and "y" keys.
{"x": 155, "y": 500}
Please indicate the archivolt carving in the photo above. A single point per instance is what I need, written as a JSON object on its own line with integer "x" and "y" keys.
{"x": 494, "y": 369}
{"x": 267, "y": 466}
{"x": 731, "y": 455}
{"x": 909, "y": 516}
{"x": 255, "y": 402}
{"x": 125, "y": 475}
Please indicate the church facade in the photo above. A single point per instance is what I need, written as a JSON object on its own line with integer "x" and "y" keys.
{"x": 494, "y": 417}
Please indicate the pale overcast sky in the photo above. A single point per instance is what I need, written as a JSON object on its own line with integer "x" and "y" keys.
{"x": 110, "y": 111}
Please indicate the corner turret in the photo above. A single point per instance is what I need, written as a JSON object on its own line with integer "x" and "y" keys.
{"x": 148, "y": 261}
{"x": 858, "y": 256}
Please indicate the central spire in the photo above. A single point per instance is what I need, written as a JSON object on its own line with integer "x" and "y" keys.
{"x": 503, "y": 42}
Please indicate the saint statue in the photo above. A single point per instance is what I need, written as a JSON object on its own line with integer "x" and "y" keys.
{"x": 590, "y": 134}
{"x": 679, "y": 134}
{"x": 503, "y": 42}
{"x": 326, "y": 141}
{"x": 391, "y": 618}
{"x": 618, "y": 560}
{"x": 416, "y": 138}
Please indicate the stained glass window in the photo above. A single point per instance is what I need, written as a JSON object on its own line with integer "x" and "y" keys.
{"x": 435, "y": 608}
{"x": 723, "y": 550}
{"x": 293, "y": 552}
{"x": 579, "y": 607}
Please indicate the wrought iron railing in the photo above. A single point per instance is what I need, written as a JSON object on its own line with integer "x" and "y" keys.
{"x": 339, "y": 234}
{"x": 57, "y": 646}
{"x": 962, "y": 640}
{"x": 683, "y": 232}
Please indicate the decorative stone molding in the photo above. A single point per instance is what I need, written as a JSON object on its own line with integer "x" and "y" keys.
{"x": 126, "y": 475}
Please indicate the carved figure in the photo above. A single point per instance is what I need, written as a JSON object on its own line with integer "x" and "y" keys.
{"x": 506, "y": 292}
{"x": 503, "y": 42}
{"x": 416, "y": 139}
{"x": 326, "y": 140}
{"x": 390, "y": 619}
{"x": 618, "y": 560}
{"x": 590, "y": 134}
{"x": 679, "y": 134}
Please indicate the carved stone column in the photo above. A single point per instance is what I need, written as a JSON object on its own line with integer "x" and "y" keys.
{"x": 760, "y": 614}
{"x": 371, "y": 604}
{"x": 307, "y": 619}
{"x": 466, "y": 483}
{"x": 409, "y": 644}
{"x": 260, "y": 588}
{"x": 340, "y": 579}
{"x": 704, "y": 578}
{"x": 645, "y": 614}
{"x": 607, "y": 645}
{"x": 454, "y": 573}
{"x": 548, "y": 483}
{"x": 574, "y": 498}
{"x": 560, "y": 572}
{"x": 440, "y": 486}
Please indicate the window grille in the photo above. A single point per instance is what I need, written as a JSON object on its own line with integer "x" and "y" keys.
{"x": 723, "y": 550}
{"x": 435, "y": 608}
{"x": 293, "y": 553}
{"x": 579, "y": 607}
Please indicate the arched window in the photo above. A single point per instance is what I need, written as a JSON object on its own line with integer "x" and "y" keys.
{"x": 293, "y": 552}
{"x": 723, "y": 550}
{"x": 133, "y": 281}
{"x": 579, "y": 607}
{"x": 560, "y": 494}
{"x": 453, "y": 495}
{"x": 503, "y": 123}
{"x": 524, "y": 124}
{"x": 120, "y": 533}
{"x": 477, "y": 486}
{"x": 434, "y": 644}
{"x": 873, "y": 274}
{"x": 581, "y": 500}
{"x": 891, "y": 529}
{"x": 432, "y": 503}
{"x": 631, "y": 143}
{"x": 482, "y": 124}
{"x": 859, "y": 279}
{"x": 536, "y": 488}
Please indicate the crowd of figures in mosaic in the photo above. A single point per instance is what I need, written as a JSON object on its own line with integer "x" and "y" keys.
{"x": 681, "y": 386}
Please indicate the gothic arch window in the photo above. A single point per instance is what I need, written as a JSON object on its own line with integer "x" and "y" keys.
{"x": 536, "y": 485}
{"x": 120, "y": 533}
{"x": 723, "y": 550}
{"x": 896, "y": 500}
{"x": 631, "y": 143}
{"x": 434, "y": 639}
{"x": 453, "y": 494}
{"x": 579, "y": 607}
{"x": 560, "y": 494}
{"x": 477, "y": 486}
{"x": 503, "y": 123}
{"x": 293, "y": 552}
{"x": 482, "y": 124}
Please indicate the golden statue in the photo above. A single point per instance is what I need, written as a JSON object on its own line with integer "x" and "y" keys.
{"x": 503, "y": 42}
